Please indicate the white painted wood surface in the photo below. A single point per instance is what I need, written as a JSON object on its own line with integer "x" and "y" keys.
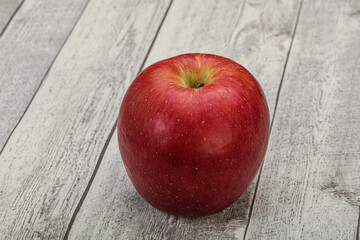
{"x": 7, "y": 10}
{"x": 254, "y": 33}
{"x": 28, "y": 48}
{"x": 56, "y": 177}
{"x": 50, "y": 157}
{"x": 310, "y": 183}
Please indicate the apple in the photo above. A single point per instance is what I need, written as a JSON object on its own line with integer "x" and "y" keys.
{"x": 193, "y": 131}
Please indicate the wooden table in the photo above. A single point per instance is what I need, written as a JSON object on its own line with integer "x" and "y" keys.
{"x": 64, "y": 68}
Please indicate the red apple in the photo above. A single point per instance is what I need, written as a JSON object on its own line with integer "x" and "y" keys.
{"x": 193, "y": 131}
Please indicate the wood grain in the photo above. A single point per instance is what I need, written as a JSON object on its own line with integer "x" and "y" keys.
{"x": 254, "y": 33}
{"x": 28, "y": 47}
{"x": 7, "y": 10}
{"x": 50, "y": 157}
{"x": 310, "y": 183}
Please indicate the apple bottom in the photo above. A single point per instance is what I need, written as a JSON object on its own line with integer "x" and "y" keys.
{"x": 191, "y": 192}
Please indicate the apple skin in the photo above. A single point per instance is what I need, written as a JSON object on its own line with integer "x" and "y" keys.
{"x": 193, "y": 151}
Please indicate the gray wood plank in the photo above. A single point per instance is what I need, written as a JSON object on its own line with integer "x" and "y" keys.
{"x": 254, "y": 33}
{"x": 50, "y": 157}
{"x": 27, "y": 49}
{"x": 7, "y": 10}
{"x": 310, "y": 183}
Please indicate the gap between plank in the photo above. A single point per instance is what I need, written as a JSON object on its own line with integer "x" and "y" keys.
{"x": 77, "y": 209}
{"x": 12, "y": 16}
{"x": 273, "y": 117}
{"x": 42, "y": 80}
{"x": 358, "y": 227}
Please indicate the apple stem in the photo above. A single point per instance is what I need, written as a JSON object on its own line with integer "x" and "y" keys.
{"x": 200, "y": 85}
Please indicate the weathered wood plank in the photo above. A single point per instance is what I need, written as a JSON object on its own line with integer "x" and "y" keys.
{"x": 28, "y": 47}
{"x": 7, "y": 10}
{"x": 310, "y": 183}
{"x": 257, "y": 34}
{"x": 50, "y": 157}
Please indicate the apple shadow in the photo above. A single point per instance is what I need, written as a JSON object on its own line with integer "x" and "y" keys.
{"x": 225, "y": 224}
{"x": 234, "y": 216}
